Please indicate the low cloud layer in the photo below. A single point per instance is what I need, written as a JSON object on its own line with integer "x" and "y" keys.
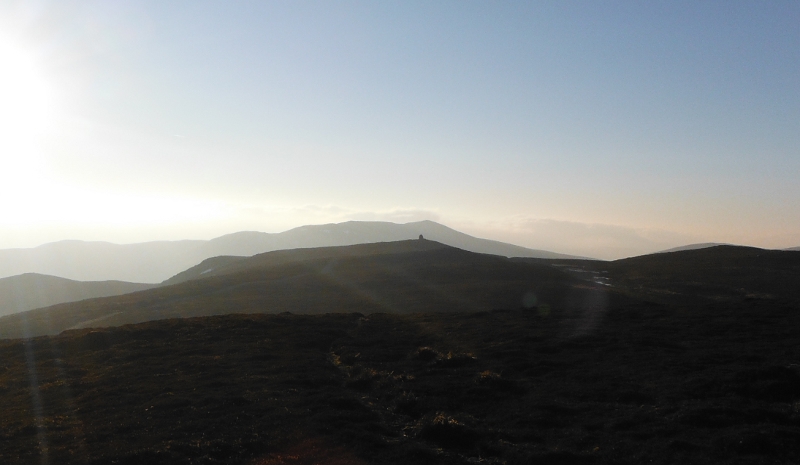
{"x": 603, "y": 241}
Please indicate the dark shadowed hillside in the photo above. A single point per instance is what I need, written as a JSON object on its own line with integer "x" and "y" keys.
{"x": 720, "y": 272}
{"x": 219, "y": 266}
{"x": 640, "y": 383}
{"x": 714, "y": 274}
{"x": 397, "y": 277}
{"x": 29, "y": 291}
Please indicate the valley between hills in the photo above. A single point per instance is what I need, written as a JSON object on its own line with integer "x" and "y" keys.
{"x": 417, "y": 352}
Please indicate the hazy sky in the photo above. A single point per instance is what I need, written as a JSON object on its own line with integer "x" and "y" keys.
{"x": 600, "y": 128}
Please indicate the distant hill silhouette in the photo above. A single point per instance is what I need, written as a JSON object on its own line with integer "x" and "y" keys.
{"x": 153, "y": 262}
{"x": 703, "y": 245}
{"x": 219, "y": 266}
{"x": 723, "y": 271}
{"x": 30, "y": 290}
{"x": 395, "y": 277}
{"x": 794, "y": 248}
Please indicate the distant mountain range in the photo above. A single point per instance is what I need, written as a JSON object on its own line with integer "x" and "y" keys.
{"x": 153, "y": 262}
{"x": 31, "y": 290}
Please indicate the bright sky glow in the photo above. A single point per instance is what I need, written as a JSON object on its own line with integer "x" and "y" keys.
{"x": 26, "y": 113}
{"x": 604, "y": 129}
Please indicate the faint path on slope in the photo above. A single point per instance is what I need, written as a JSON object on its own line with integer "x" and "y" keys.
{"x": 88, "y": 323}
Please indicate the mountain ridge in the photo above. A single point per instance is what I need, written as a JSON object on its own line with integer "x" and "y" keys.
{"x": 156, "y": 261}
{"x": 700, "y": 245}
{"x": 224, "y": 265}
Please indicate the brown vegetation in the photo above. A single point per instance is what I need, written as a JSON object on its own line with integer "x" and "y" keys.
{"x": 647, "y": 383}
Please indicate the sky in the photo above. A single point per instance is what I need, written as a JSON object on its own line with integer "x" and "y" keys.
{"x": 604, "y": 129}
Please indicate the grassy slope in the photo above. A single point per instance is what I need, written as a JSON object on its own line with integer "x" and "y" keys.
{"x": 721, "y": 273}
{"x": 225, "y": 265}
{"x": 30, "y": 290}
{"x": 401, "y": 277}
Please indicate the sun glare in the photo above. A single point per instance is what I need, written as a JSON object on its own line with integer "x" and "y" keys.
{"x": 26, "y": 108}
{"x": 26, "y": 117}
{"x": 23, "y": 92}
